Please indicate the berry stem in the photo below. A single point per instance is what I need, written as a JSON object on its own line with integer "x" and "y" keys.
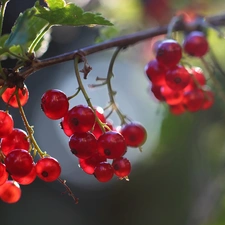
{"x": 68, "y": 190}
{"x": 172, "y": 24}
{"x": 2, "y": 89}
{"x": 2, "y": 13}
{"x": 75, "y": 94}
{"x": 81, "y": 87}
{"x": 29, "y": 128}
{"x": 112, "y": 93}
{"x": 214, "y": 80}
{"x": 38, "y": 38}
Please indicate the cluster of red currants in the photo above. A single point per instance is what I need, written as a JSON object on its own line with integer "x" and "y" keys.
{"x": 92, "y": 139}
{"x": 16, "y": 159}
{"x": 182, "y": 88}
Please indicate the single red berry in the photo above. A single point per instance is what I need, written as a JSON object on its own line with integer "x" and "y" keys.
{"x": 169, "y": 53}
{"x": 83, "y": 145}
{"x": 48, "y": 169}
{"x": 103, "y": 172}
{"x": 65, "y": 126}
{"x": 6, "y": 124}
{"x": 54, "y": 104}
{"x": 177, "y": 109}
{"x": 155, "y": 90}
{"x": 156, "y": 72}
{"x": 81, "y": 118}
{"x": 28, "y": 179}
{"x": 19, "y": 162}
{"x": 134, "y": 134}
{"x": 171, "y": 97}
{"x": 122, "y": 167}
{"x": 112, "y": 145}
{"x": 10, "y": 192}
{"x": 194, "y": 100}
{"x": 3, "y": 174}
{"x": 17, "y": 139}
{"x": 9, "y": 96}
{"x": 88, "y": 165}
{"x": 196, "y": 44}
{"x": 177, "y": 78}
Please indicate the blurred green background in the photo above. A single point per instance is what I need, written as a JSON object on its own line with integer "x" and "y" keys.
{"x": 178, "y": 179}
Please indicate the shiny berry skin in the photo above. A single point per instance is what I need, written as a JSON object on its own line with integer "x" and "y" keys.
{"x": 54, "y": 104}
{"x": 122, "y": 167}
{"x": 65, "y": 126}
{"x": 3, "y": 174}
{"x": 194, "y": 100}
{"x": 155, "y": 72}
{"x": 112, "y": 145}
{"x": 88, "y": 165}
{"x": 10, "y": 192}
{"x": 104, "y": 172}
{"x": 81, "y": 118}
{"x": 17, "y": 139}
{"x": 48, "y": 169}
{"x": 196, "y": 44}
{"x": 169, "y": 53}
{"x": 83, "y": 145}
{"x": 9, "y": 94}
{"x": 19, "y": 162}
{"x": 28, "y": 179}
{"x": 134, "y": 134}
{"x": 177, "y": 78}
{"x": 171, "y": 97}
{"x": 6, "y": 124}
{"x": 156, "y": 91}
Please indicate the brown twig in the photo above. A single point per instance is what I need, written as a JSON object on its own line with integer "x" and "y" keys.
{"x": 123, "y": 41}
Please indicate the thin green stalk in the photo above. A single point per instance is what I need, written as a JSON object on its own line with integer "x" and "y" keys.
{"x": 110, "y": 90}
{"x": 4, "y": 4}
{"x": 81, "y": 86}
{"x": 75, "y": 94}
{"x": 29, "y": 128}
{"x": 38, "y": 38}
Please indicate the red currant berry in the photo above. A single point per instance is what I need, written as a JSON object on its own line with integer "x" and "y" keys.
{"x": 83, "y": 145}
{"x": 194, "y": 100}
{"x": 10, "y": 192}
{"x": 48, "y": 169}
{"x": 169, "y": 53}
{"x": 54, "y": 104}
{"x": 177, "y": 109}
{"x": 65, "y": 126}
{"x": 122, "y": 167}
{"x": 81, "y": 118}
{"x": 3, "y": 174}
{"x": 6, "y": 124}
{"x": 134, "y": 134}
{"x": 28, "y": 179}
{"x": 88, "y": 165}
{"x": 17, "y": 139}
{"x": 177, "y": 78}
{"x": 19, "y": 162}
{"x": 103, "y": 172}
{"x": 112, "y": 145}
{"x": 155, "y": 72}
{"x": 196, "y": 44}
{"x": 9, "y": 96}
{"x": 171, "y": 97}
{"x": 155, "y": 90}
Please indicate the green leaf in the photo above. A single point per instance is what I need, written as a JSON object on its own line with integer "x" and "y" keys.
{"x": 59, "y": 12}
{"x": 26, "y": 29}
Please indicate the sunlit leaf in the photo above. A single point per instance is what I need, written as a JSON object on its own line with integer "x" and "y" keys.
{"x": 59, "y": 12}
